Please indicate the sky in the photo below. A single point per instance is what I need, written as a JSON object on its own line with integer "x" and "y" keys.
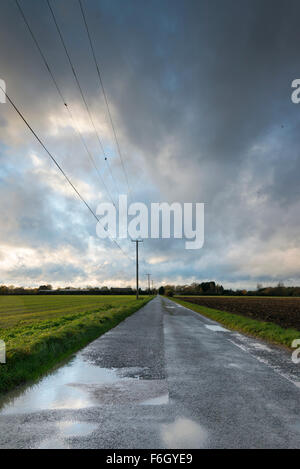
{"x": 200, "y": 95}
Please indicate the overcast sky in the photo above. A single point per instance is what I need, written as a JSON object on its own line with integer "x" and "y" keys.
{"x": 200, "y": 93}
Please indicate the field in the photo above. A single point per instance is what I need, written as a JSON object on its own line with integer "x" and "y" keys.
{"x": 282, "y": 311}
{"x": 272, "y": 319}
{"x": 39, "y": 331}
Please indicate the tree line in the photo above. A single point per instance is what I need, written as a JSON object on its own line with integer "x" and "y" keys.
{"x": 212, "y": 288}
{"x": 47, "y": 289}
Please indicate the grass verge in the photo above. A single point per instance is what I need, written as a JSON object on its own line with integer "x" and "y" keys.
{"x": 35, "y": 347}
{"x": 260, "y": 329}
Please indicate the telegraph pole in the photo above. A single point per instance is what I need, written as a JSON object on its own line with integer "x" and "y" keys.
{"x": 152, "y": 286}
{"x": 137, "y": 241}
{"x": 148, "y": 275}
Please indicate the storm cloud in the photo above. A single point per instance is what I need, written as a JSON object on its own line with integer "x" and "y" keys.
{"x": 200, "y": 93}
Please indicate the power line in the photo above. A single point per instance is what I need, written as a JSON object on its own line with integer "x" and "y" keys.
{"x": 71, "y": 115}
{"x": 79, "y": 87}
{"x": 59, "y": 167}
{"x": 76, "y": 128}
{"x": 104, "y": 94}
{"x": 40, "y": 50}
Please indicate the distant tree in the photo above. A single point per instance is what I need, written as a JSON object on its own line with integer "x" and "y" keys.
{"x": 169, "y": 292}
{"x": 45, "y": 287}
{"x": 168, "y": 289}
{"x": 161, "y": 290}
{"x": 208, "y": 287}
{"x": 3, "y": 290}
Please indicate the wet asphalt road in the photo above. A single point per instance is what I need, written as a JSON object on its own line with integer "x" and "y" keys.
{"x": 166, "y": 377}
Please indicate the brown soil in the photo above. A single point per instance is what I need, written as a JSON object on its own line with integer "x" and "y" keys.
{"x": 282, "y": 311}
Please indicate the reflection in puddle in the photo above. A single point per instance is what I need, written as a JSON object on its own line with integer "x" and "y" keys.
{"x": 259, "y": 346}
{"x": 159, "y": 400}
{"x": 183, "y": 433}
{"x": 71, "y": 429}
{"x": 234, "y": 365}
{"x": 216, "y": 328}
{"x": 53, "y": 443}
{"x": 79, "y": 384}
{"x": 127, "y": 391}
{"x": 67, "y": 429}
{"x": 60, "y": 389}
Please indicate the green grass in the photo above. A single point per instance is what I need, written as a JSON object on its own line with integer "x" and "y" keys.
{"x": 40, "y": 331}
{"x": 241, "y": 297}
{"x": 263, "y": 330}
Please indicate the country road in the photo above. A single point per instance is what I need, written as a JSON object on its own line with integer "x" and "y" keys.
{"x": 166, "y": 377}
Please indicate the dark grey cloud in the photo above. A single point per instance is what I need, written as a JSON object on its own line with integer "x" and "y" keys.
{"x": 200, "y": 94}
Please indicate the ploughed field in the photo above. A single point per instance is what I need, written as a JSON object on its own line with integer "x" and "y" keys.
{"x": 282, "y": 311}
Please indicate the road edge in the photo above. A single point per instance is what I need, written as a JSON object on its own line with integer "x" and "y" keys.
{"x": 267, "y": 331}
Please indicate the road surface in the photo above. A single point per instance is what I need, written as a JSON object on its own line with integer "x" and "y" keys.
{"x": 166, "y": 377}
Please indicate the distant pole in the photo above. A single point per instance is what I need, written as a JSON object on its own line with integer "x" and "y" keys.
{"x": 148, "y": 275}
{"x": 152, "y": 286}
{"x": 137, "y": 241}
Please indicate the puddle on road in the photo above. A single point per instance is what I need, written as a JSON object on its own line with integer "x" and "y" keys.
{"x": 234, "y": 365}
{"x": 160, "y": 400}
{"x": 216, "y": 328}
{"x": 67, "y": 429}
{"x": 59, "y": 389}
{"x": 79, "y": 384}
{"x": 52, "y": 443}
{"x": 259, "y": 346}
{"x": 70, "y": 429}
{"x": 183, "y": 434}
{"x": 250, "y": 343}
{"x": 128, "y": 391}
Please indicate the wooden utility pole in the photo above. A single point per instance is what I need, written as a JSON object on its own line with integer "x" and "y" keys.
{"x": 137, "y": 241}
{"x": 148, "y": 275}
